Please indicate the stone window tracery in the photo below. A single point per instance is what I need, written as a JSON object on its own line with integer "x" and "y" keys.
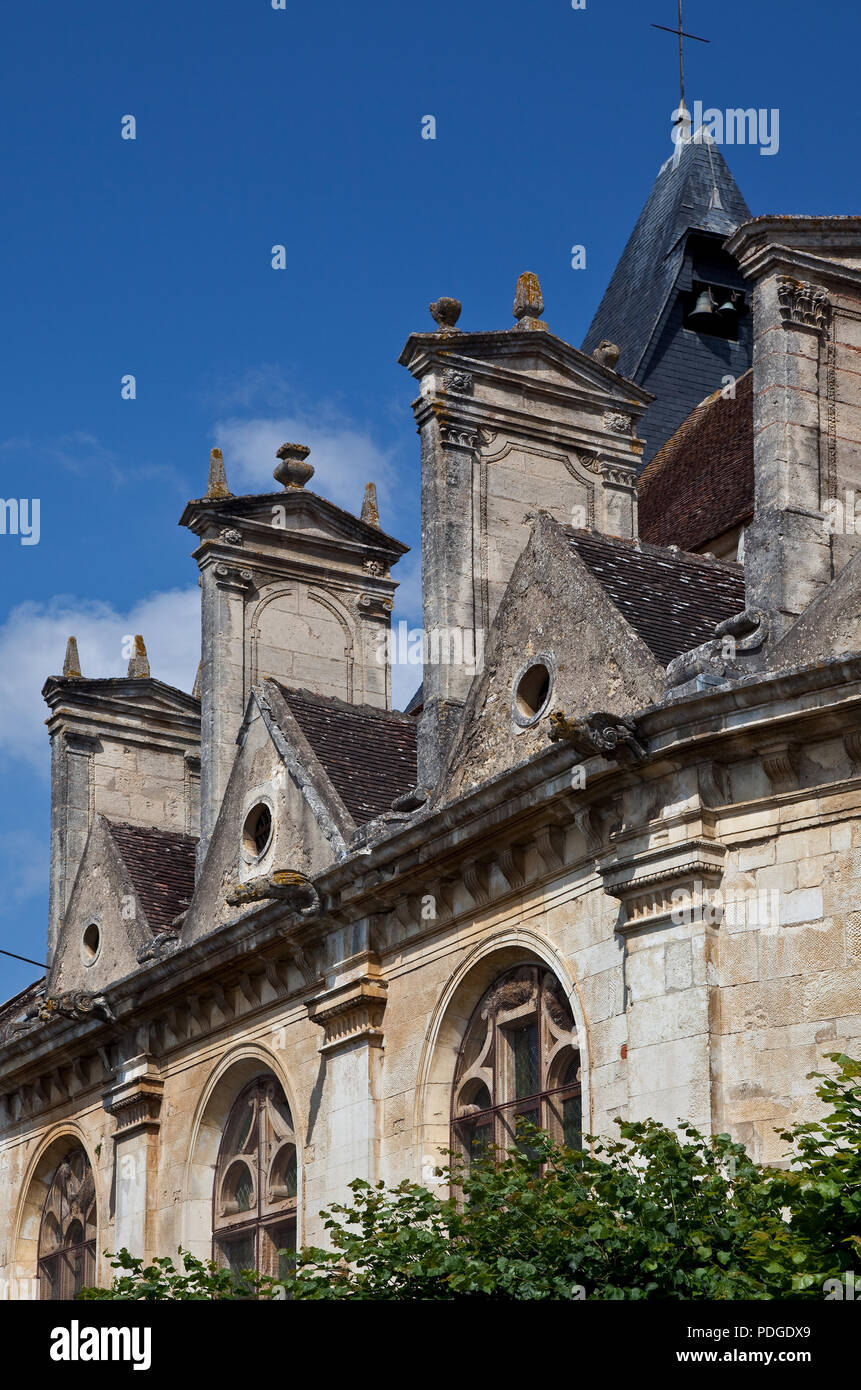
{"x": 256, "y": 1180}
{"x": 519, "y": 1058}
{"x": 67, "y": 1234}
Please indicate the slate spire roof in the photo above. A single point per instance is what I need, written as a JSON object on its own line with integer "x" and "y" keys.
{"x": 698, "y": 193}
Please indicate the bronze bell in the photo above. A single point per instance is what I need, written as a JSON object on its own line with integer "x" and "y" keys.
{"x": 704, "y": 310}
{"x": 730, "y": 307}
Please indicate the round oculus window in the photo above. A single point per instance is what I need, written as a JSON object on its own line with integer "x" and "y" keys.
{"x": 532, "y": 692}
{"x": 91, "y": 942}
{"x": 257, "y": 830}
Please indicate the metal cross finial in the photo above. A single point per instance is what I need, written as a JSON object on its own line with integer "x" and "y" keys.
{"x": 682, "y": 36}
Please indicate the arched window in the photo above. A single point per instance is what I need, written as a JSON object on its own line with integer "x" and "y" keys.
{"x": 519, "y": 1058}
{"x": 67, "y": 1234}
{"x": 256, "y": 1174}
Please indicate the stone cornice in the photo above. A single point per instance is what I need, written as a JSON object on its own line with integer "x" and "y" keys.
{"x": 474, "y": 415}
{"x": 469, "y": 352}
{"x": 207, "y": 513}
{"x": 765, "y": 246}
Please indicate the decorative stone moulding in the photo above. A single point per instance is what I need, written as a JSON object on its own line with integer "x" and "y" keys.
{"x": 459, "y": 436}
{"x": 374, "y": 603}
{"x": 230, "y": 578}
{"x": 852, "y": 744}
{"x": 648, "y": 885}
{"x": 778, "y": 760}
{"x": 135, "y": 1103}
{"x": 803, "y": 305}
{"x": 351, "y": 1013}
{"x": 461, "y": 383}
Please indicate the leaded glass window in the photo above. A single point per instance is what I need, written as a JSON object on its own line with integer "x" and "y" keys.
{"x": 519, "y": 1058}
{"x": 256, "y": 1181}
{"x": 67, "y": 1234}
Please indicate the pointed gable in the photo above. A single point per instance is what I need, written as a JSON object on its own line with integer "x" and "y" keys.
{"x": 559, "y": 614}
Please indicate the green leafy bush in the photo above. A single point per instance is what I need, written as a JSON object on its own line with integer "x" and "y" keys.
{"x": 655, "y": 1214}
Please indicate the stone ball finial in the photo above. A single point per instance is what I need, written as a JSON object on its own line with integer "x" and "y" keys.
{"x": 607, "y": 354}
{"x": 528, "y": 301}
{"x": 293, "y": 471}
{"x": 446, "y": 312}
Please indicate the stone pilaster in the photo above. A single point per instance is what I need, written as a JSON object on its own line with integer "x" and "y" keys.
{"x": 71, "y": 815}
{"x": 222, "y": 684}
{"x": 135, "y": 1103}
{"x": 349, "y": 1012}
{"x": 807, "y": 406}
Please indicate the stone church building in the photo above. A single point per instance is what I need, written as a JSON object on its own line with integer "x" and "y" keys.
{"x": 608, "y": 861}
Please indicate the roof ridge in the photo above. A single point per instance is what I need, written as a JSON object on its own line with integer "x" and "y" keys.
{"x": 335, "y": 702}
{"x": 150, "y": 829}
{"x": 638, "y": 545}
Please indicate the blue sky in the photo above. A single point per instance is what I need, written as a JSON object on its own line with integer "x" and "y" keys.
{"x": 302, "y": 127}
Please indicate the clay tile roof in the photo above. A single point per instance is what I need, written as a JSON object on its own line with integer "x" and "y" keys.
{"x": 369, "y": 754}
{"x": 19, "y": 1002}
{"x": 161, "y": 868}
{"x": 700, "y": 484}
{"x": 672, "y": 600}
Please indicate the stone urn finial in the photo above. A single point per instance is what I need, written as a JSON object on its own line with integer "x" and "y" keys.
{"x": 293, "y": 471}
{"x": 446, "y": 312}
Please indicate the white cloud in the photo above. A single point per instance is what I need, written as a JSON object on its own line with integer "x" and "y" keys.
{"x": 344, "y": 458}
{"x": 33, "y": 643}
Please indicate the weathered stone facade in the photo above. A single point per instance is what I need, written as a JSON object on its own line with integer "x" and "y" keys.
{"x": 677, "y": 850}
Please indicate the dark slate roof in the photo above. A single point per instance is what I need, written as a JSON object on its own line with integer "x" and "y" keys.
{"x": 701, "y": 483}
{"x": 161, "y": 868}
{"x": 369, "y": 754}
{"x": 700, "y": 194}
{"x": 671, "y": 599}
{"x": 417, "y": 703}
